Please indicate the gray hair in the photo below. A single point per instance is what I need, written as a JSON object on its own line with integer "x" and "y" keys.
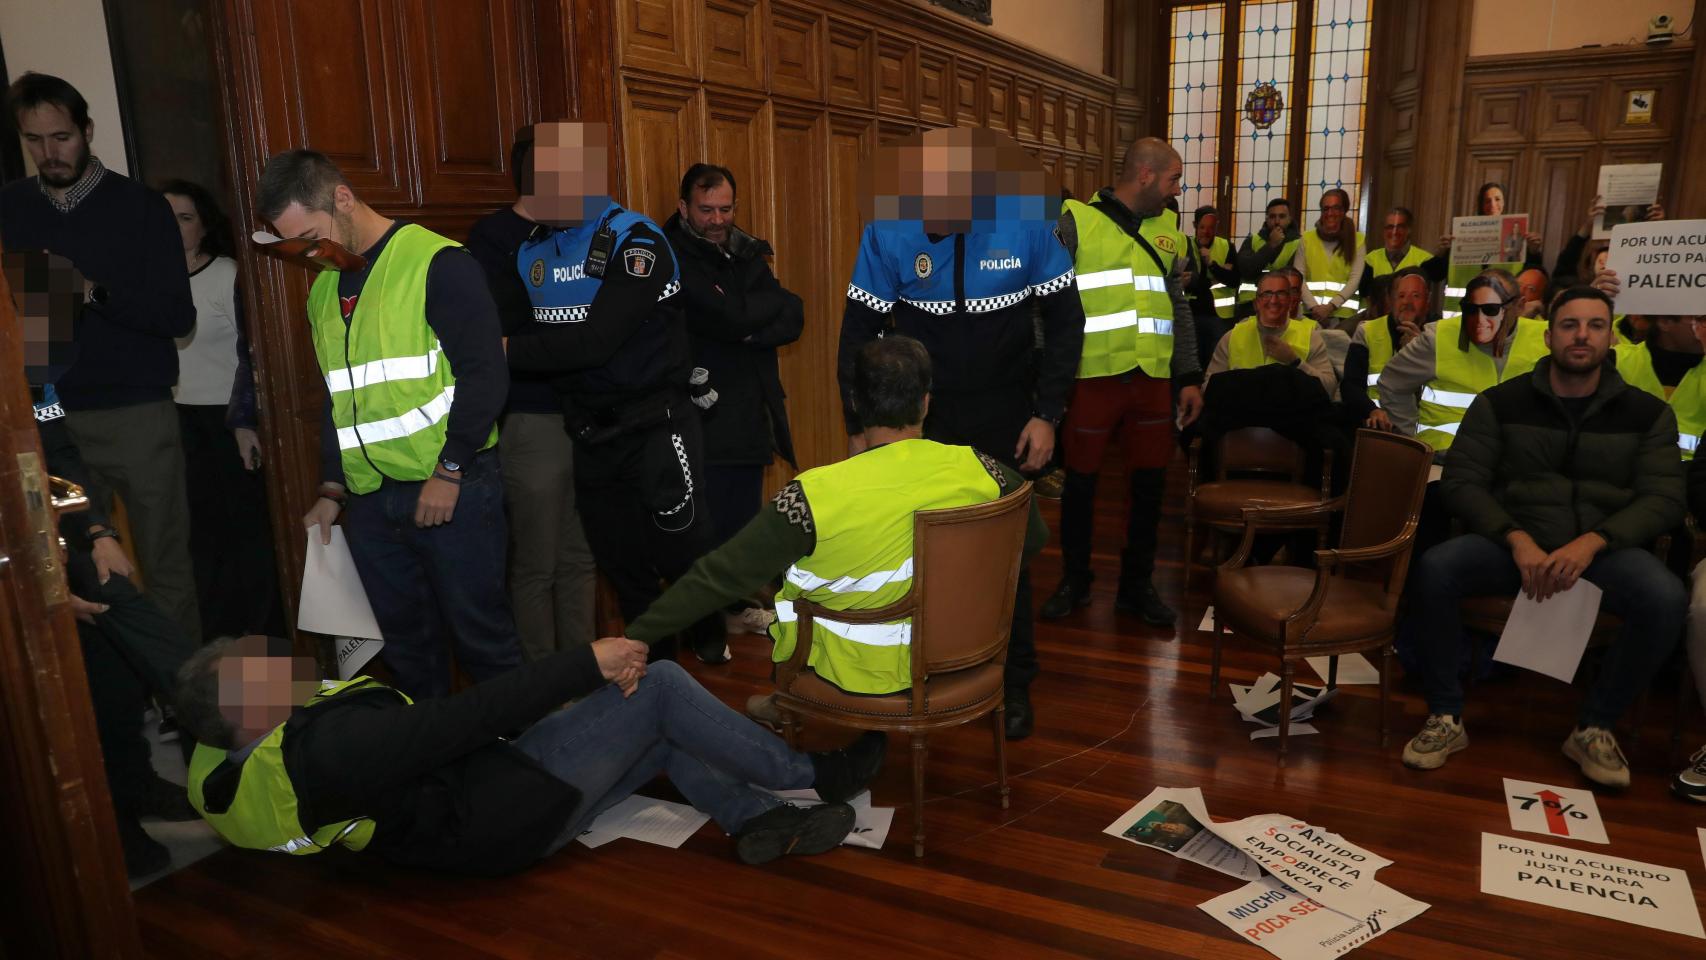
{"x": 198, "y": 696}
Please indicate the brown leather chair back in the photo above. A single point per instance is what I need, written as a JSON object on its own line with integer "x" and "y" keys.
{"x": 1259, "y": 450}
{"x": 960, "y": 557}
{"x": 1389, "y": 473}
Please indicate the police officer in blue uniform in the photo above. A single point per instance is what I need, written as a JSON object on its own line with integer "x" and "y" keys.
{"x": 966, "y": 278}
{"x": 608, "y": 329}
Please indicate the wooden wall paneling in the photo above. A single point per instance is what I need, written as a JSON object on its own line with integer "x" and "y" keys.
{"x": 1128, "y": 126}
{"x": 1567, "y": 111}
{"x": 935, "y": 86}
{"x": 1072, "y": 122}
{"x": 897, "y": 76}
{"x": 1492, "y": 164}
{"x": 1560, "y": 174}
{"x": 660, "y": 35}
{"x": 1500, "y": 114}
{"x": 851, "y": 142}
{"x": 968, "y": 102}
{"x": 737, "y": 136}
{"x": 1687, "y": 198}
{"x": 468, "y": 95}
{"x": 733, "y": 41}
{"x": 892, "y": 131}
{"x": 665, "y": 135}
{"x": 1027, "y": 118}
{"x": 1097, "y": 120}
{"x": 1667, "y": 108}
{"x": 998, "y": 101}
{"x": 852, "y": 51}
{"x": 803, "y": 265}
{"x": 1440, "y": 96}
{"x": 1053, "y": 116}
{"x": 796, "y": 50}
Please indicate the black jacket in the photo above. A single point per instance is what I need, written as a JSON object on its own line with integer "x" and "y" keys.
{"x": 738, "y": 314}
{"x": 443, "y": 790}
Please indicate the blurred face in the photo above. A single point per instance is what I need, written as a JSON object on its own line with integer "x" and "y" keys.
{"x": 1273, "y": 302}
{"x": 1397, "y": 232}
{"x": 1332, "y": 213}
{"x": 58, "y": 148}
{"x": 1580, "y": 336}
{"x": 711, "y": 212}
{"x": 1279, "y": 217}
{"x": 1206, "y": 225}
{"x": 1484, "y": 311}
{"x": 957, "y": 180}
{"x": 565, "y": 178}
{"x": 1409, "y": 298}
{"x": 258, "y": 691}
{"x": 190, "y": 227}
{"x": 1493, "y": 202}
{"x": 46, "y": 292}
{"x": 1531, "y": 285}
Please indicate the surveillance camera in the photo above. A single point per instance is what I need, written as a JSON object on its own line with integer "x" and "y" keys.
{"x": 1660, "y": 30}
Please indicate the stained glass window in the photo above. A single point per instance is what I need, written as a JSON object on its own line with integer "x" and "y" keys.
{"x": 1194, "y": 103}
{"x": 1338, "y": 100}
{"x": 1265, "y": 42}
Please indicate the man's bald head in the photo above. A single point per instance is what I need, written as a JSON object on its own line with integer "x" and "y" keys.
{"x": 1150, "y": 173}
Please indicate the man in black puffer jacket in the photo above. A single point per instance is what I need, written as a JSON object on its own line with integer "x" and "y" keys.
{"x": 738, "y": 315}
{"x": 1567, "y": 473}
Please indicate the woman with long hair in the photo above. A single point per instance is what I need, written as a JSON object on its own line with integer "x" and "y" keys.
{"x": 1331, "y": 259}
{"x": 230, "y": 542}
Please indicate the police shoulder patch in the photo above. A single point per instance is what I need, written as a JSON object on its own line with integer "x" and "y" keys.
{"x": 536, "y": 273}
{"x": 923, "y": 265}
{"x": 639, "y": 263}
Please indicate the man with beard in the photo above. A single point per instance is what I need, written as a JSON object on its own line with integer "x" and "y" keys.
{"x": 117, "y": 396}
{"x": 1375, "y": 343}
{"x": 1562, "y": 475}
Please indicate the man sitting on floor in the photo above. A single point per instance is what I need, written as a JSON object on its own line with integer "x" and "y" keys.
{"x": 1561, "y": 474}
{"x": 433, "y": 784}
{"x": 843, "y": 533}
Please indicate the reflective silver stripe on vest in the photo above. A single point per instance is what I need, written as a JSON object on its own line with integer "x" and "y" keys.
{"x": 1246, "y": 288}
{"x": 1104, "y": 278}
{"x": 394, "y": 428}
{"x": 1151, "y": 283}
{"x": 291, "y": 846}
{"x": 869, "y": 634}
{"x": 1448, "y": 428}
{"x": 807, "y": 580}
{"x": 1127, "y": 318}
{"x": 1225, "y": 301}
{"x": 1447, "y": 398}
{"x": 1456, "y": 291}
{"x": 1687, "y": 443}
{"x": 383, "y": 371}
{"x": 1373, "y": 379}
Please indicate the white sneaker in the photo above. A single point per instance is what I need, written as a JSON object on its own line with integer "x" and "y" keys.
{"x": 1441, "y": 737}
{"x": 1595, "y": 750}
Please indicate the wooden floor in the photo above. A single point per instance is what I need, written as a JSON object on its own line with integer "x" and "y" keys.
{"x": 1121, "y": 709}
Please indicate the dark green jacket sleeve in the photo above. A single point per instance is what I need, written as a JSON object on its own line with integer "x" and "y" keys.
{"x": 1036, "y": 531}
{"x": 1658, "y": 505}
{"x": 763, "y": 548}
{"x": 1467, "y": 483}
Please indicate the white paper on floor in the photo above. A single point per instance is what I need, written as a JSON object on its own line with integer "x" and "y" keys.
{"x": 1292, "y": 926}
{"x": 1174, "y": 819}
{"x": 1259, "y": 702}
{"x": 1589, "y": 882}
{"x": 646, "y": 819}
{"x": 1297, "y": 730}
{"x": 870, "y": 824}
{"x": 1354, "y": 668}
{"x": 1554, "y": 811}
{"x": 1207, "y": 624}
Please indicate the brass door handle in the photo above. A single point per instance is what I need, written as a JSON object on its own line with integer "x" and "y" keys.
{"x": 67, "y": 497}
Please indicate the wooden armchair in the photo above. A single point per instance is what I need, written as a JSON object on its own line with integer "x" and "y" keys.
{"x": 1266, "y": 471}
{"x": 1349, "y": 602}
{"x": 965, "y": 572}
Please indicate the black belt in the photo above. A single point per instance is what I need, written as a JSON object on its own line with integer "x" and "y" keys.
{"x": 597, "y": 424}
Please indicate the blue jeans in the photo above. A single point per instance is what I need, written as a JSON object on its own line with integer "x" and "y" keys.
{"x": 1638, "y": 588}
{"x": 431, "y": 586}
{"x": 607, "y": 746}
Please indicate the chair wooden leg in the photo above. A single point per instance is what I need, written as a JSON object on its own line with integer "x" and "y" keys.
{"x": 1333, "y": 672}
{"x": 918, "y": 794}
{"x": 1286, "y": 668}
{"x": 790, "y": 728}
{"x": 1000, "y": 717}
{"x": 1385, "y": 683}
{"x": 1214, "y": 659}
{"x": 1190, "y": 558}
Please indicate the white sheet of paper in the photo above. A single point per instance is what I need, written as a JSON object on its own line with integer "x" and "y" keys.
{"x": 1258, "y": 703}
{"x": 1592, "y": 883}
{"x": 1627, "y": 190}
{"x": 870, "y": 824}
{"x": 334, "y": 603}
{"x": 1297, "y": 730}
{"x": 1184, "y": 836}
{"x": 1311, "y": 860}
{"x": 1702, "y": 832}
{"x": 1435, "y": 471}
{"x": 1554, "y": 811}
{"x": 1489, "y": 240}
{"x": 1659, "y": 264}
{"x": 646, "y": 819}
{"x": 1354, "y": 668}
{"x": 1549, "y": 637}
{"x": 1292, "y": 926}
{"x": 1207, "y": 624}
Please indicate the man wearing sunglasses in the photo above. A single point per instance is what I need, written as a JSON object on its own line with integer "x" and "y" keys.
{"x": 1563, "y": 475}
{"x": 1426, "y": 387}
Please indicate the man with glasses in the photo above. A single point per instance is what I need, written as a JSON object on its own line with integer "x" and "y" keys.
{"x": 1273, "y": 245}
{"x": 1397, "y": 253}
{"x": 1273, "y": 336}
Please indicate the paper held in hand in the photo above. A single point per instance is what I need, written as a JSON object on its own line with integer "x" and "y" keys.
{"x": 1549, "y": 637}
{"x": 1628, "y": 191}
{"x": 334, "y": 603}
{"x": 1486, "y": 241}
{"x": 1661, "y": 266}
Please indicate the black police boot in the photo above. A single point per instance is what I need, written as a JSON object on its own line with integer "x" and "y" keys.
{"x": 788, "y": 829}
{"x": 1020, "y": 720}
{"x": 842, "y": 774}
{"x": 1137, "y": 561}
{"x": 1073, "y": 592}
{"x": 1143, "y": 602}
{"x": 709, "y": 639}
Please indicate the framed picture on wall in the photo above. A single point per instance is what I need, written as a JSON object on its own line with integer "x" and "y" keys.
{"x": 1639, "y": 106}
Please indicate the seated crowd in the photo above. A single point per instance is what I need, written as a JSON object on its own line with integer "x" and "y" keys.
{"x": 577, "y": 386}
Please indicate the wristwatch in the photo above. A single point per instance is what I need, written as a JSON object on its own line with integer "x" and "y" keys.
{"x": 450, "y": 466}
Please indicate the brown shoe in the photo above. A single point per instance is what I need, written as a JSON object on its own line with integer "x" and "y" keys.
{"x": 762, "y": 708}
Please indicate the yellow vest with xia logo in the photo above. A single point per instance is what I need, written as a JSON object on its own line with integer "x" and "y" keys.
{"x": 862, "y": 510}
{"x": 1461, "y": 374}
{"x": 1244, "y": 350}
{"x": 1128, "y": 316}
{"x": 1325, "y": 274}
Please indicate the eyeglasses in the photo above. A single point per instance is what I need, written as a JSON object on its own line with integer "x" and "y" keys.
{"x": 1488, "y": 309}
{"x": 1272, "y": 294}
{"x": 1332, "y": 206}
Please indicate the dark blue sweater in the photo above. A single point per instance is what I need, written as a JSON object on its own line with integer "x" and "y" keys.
{"x": 122, "y": 237}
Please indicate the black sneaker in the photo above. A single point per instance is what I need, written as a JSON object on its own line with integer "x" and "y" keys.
{"x": 143, "y": 854}
{"x": 1072, "y": 593}
{"x": 1021, "y": 721}
{"x": 166, "y": 800}
{"x": 1146, "y": 604}
{"x": 841, "y": 774}
{"x": 1690, "y": 782}
{"x": 788, "y": 829}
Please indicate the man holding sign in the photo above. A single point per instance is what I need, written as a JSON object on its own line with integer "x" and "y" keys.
{"x": 1564, "y": 474}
